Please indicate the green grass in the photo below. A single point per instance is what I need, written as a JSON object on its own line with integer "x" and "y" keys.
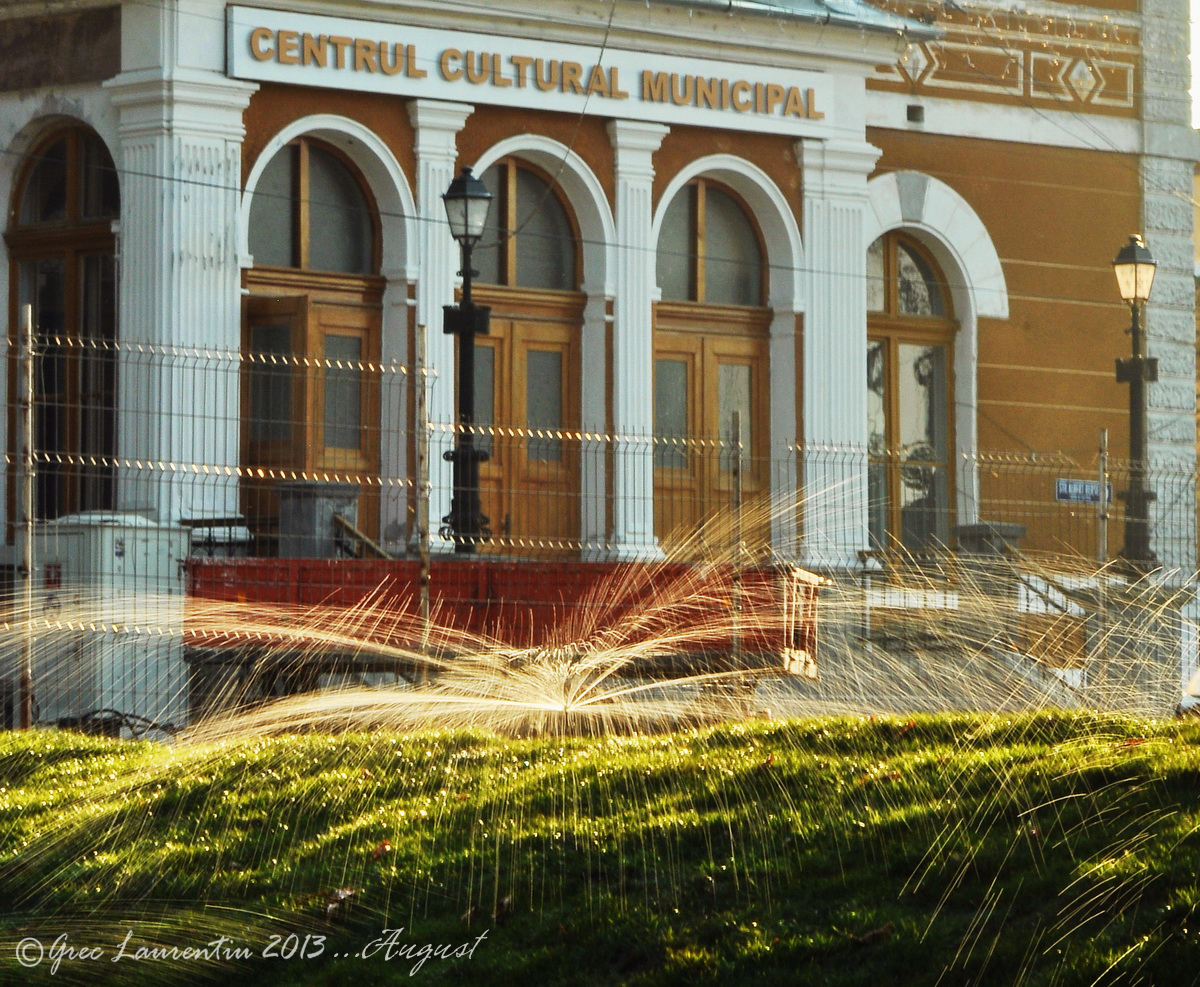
{"x": 1039, "y": 849}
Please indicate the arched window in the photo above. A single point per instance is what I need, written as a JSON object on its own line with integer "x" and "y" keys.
{"x": 710, "y": 364}
{"x": 531, "y": 240}
{"x": 312, "y": 330}
{"x": 310, "y": 211}
{"x": 909, "y": 396}
{"x": 60, "y": 238}
{"x": 709, "y": 249}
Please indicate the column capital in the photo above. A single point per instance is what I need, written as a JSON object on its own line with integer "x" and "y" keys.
{"x": 438, "y": 123}
{"x": 151, "y": 103}
{"x": 634, "y": 135}
{"x": 830, "y": 163}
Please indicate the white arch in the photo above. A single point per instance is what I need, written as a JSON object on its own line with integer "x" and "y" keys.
{"x": 393, "y": 195}
{"x": 944, "y": 222}
{"x": 597, "y": 230}
{"x": 785, "y": 250}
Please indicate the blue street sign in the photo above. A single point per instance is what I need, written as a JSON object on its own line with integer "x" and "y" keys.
{"x": 1080, "y": 491}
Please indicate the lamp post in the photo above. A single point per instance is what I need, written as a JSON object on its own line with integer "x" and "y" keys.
{"x": 467, "y": 202}
{"x": 1134, "y": 267}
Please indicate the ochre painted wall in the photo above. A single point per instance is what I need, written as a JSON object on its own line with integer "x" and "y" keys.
{"x": 1046, "y": 374}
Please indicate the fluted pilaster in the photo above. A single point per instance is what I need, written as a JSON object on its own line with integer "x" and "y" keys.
{"x": 835, "y": 351}
{"x": 633, "y": 340}
{"x": 437, "y": 126}
{"x": 178, "y": 428}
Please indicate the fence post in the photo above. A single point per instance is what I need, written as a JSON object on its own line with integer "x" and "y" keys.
{"x": 736, "y": 635}
{"x": 422, "y": 492}
{"x": 28, "y": 466}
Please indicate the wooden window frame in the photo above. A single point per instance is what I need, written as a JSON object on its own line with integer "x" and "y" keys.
{"x": 893, "y": 329}
{"x": 697, "y": 190}
{"x": 301, "y": 244}
{"x": 504, "y": 221}
{"x": 72, "y": 240}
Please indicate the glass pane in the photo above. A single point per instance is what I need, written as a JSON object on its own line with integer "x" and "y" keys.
{"x": 272, "y": 234}
{"x": 545, "y": 242}
{"x": 98, "y": 382}
{"x": 921, "y": 378}
{"x": 733, "y": 396}
{"x": 877, "y": 442}
{"x": 101, "y": 196}
{"x": 675, "y": 249}
{"x": 875, "y": 284}
{"x": 919, "y": 292}
{"x": 732, "y": 259}
{"x": 485, "y": 396}
{"x": 43, "y": 285}
{"x": 45, "y": 199}
{"x": 877, "y": 506}
{"x": 486, "y": 256}
{"x": 670, "y": 413}
{"x": 543, "y": 403}
{"x": 924, "y": 507}
{"x": 271, "y": 413}
{"x": 343, "y": 392}
{"x": 340, "y": 230}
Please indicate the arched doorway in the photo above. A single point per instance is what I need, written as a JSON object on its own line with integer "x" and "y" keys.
{"x": 710, "y": 361}
{"x": 311, "y": 333}
{"x": 527, "y": 370}
{"x": 63, "y": 254}
{"x": 909, "y": 397}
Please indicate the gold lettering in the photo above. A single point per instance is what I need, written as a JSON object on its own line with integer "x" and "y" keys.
{"x": 289, "y": 48}
{"x": 340, "y": 46}
{"x": 724, "y": 94}
{"x": 597, "y": 81}
{"x": 738, "y": 95}
{"x": 614, "y": 84}
{"x": 411, "y": 68}
{"x": 315, "y": 50}
{"x": 760, "y": 105}
{"x": 396, "y": 66}
{"x": 546, "y": 81}
{"x": 366, "y": 55}
{"x": 794, "y": 107}
{"x": 449, "y": 73}
{"x": 707, "y": 93}
{"x": 682, "y": 95}
{"x": 775, "y": 95}
{"x": 813, "y": 112}
{"x": 522, "y": 63}
{"x": 499, "y": 79}
{"x": 476, "y": 64}
{"x": 655, "y": 86}
{"x": 572, "y": 77}
{"x": 257, "y": 37}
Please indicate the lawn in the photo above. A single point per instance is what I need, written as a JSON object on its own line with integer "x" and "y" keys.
{"x": 1054, "y": 848}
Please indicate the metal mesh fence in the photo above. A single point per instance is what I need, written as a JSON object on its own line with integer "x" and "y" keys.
{"x": 148, "y": 478}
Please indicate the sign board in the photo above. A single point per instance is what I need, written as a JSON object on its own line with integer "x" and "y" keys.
{"x": 1080, "y": 491}
{"x": 524, "y": 73}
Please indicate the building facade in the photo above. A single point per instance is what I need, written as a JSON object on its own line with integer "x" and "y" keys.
{"x": 876, "y": 238}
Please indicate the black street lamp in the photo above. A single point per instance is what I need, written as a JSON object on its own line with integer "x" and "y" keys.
{"x": 467, "y": 203}
{"x": 1134, "y": 267}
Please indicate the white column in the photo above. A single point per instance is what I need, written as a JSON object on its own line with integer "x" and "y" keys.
{"x": 180, "y": 323}
{"x": 396, "y": 426}
{"x": 835, "y": 351}
{"x": 437, "y": 125}
{"x": 633, "y": 341}
{"x": 593, "y": 468}
{"x": 783, "y": 468}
